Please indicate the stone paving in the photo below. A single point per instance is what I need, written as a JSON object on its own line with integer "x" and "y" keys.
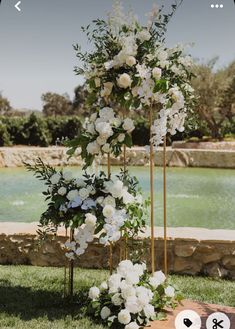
{"x": 204, "y": 310}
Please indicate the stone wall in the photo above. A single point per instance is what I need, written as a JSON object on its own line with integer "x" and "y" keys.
{"x": 185, "y": 255}
{"x": 137, "y": 156}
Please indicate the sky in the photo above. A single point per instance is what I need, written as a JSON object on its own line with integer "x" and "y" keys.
{"x": 36, "y": 54}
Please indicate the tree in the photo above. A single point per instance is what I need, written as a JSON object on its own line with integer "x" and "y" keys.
{"x": 5, "y": 106}
{"x": 79, "y": 102}
{"x": 55, "y": 104}
{"x": 210, "y": 87}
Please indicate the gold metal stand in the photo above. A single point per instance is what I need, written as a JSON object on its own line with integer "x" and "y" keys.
{"x": 71, "y": 268}
{"x": 164, "y": 206}
{"x": 151, "y": 166}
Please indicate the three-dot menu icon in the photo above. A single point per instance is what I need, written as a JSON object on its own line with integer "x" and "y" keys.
{"x": 217, "y": 6}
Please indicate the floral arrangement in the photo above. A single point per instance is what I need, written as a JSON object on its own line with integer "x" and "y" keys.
{"x": 91, "y": 205}
{"x": 132, "y": 68}
{"x": 131, "y": 297}
{"x": 103, "y": 133}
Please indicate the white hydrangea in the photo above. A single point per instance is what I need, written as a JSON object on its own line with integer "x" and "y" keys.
{"x": 94, "y": 293}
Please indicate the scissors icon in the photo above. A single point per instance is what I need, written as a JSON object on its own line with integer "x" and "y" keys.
{"x": 217, "y": 324}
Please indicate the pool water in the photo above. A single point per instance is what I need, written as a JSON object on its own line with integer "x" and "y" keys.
{"x": 196, "y": 197}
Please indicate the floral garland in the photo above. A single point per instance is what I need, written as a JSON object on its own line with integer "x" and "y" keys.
{"x": 91, "y": 205}
{"x": 132, "y": 68}
{"x": 104, "y": 132}
{"x": 130, "y": 298}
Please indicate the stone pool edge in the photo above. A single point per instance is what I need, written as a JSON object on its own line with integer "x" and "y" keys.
{"x": 137, "y": 156}
{"x": 191, "y": 251}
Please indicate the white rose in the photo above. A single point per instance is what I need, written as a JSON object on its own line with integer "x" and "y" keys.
{"x": 124, "y": 81}
{"x": 144, "y": 35}
{"x": 100, "y": 200}
{"x": 132, "y": 278}
{"x": 132, "y": 305}
{"x": 93, "y": 148}
{"x": 105, "y": 313}
{"x": 154, "y": 282}
{"x": 124, "y": 316}
{"x": 114, "y": 283}
{"x": 97, "y": 82}
{"x": 108, "y": 211}
{"x": 80, "y": 182}
{"x": 104, "y": 285}
{"x": 106, "y": 148}
{"x": 84, "y": 193}
{"x": 94, "y": 293}
{"x": 132, "y": 325}
{"x": 104, "y": 129}
{"x": 128, "y": 291}
{"x": 139, "y": 269}
{"x": 121, "y": 138}
{"x": 170, "y": 291}
{"x": 149, "y": 311}
{"x": 128, "y": 125}
{"x": 72, "y": 195}
{"x": 107, "y": 90}
{"x": 100, "y": 140}
{"x": 125, "y": 267}
{"x": 162, "y": 55}
{"x": 127, "y": 197}
{"x": 116, "y": 189}
{"x": 90, "y": 128}
{"x": 117, "y": 300}
{"x": 157, "y": 73}
{"x": 109, "y": 200}
{"x": 160, "y": 276}
{"x": 62, "y": 190}
{"x": 130, "y": 61}
{"x": 90, "y": 219}
{"x": 55, "y": 178}
{"x": 68, "y": 175}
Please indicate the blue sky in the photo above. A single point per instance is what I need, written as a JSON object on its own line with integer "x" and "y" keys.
{"x": 36, "y": 53}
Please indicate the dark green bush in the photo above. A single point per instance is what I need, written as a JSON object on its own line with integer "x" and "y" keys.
{"x": 4, "y": 136}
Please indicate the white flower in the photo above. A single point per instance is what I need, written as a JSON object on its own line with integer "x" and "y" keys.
{"x": 90, "y": 128}
{"x": 80, "y": 182}
{"x": 116, "y": 189}
{"x": 106, "y": 148}
{"x": 104, "y": 129}
{"x": 160, "y": 276}
{"x": 162, "y": 55}
{"x": 127, "y": 197}
{"x": 90, "y": 219}
{"x": 72, "y": 195}
{"x": 132, "y": 325}
{"x": 62, "y": 190}
{"x": 127, "y": 291}
{"x": 93, "y": 117}
{"x": 106, "y": 113}
{"x": 132, "y": 278}
{"x": 100, "y": 140}
{"x": 124, "y": 316}
{"x": 130, "y": 61}
{"x": 104, "y": 285}
{"x": 116, "y": 299}
{"x": 128, "y": 125}
{"x": 55, "y": 178}
{"x": 97, "y": 82}
{"x": 124, "y": 81}
{"x": 170, "y": 291}
{"x": 149, "y": 311}
{"x": 108, "y": 211}
{"x": 140, "y": 268}
{"x": 107, "y": 90}
{"x": 109, "y": 200}
{"x": 70, "y": 255}
{"x": 154, "y": 282}
{"x": 105, "y": 312}
{"x": 84, "y": 193}
{"x": 68, "y": 175}
{"x": 132, "y": 305}
{"x": 94, "y": 293}
{"x": 121, "y": 138}
{"x": 144, "y": 294}
{"x": 114, "y": 282}
{"x": 100, "y": 200}
{"x": 93, "y": 148}
{"x": 157, "y": 73}
{"x": 144, "y": 35}
{"x": 125, "y": 267}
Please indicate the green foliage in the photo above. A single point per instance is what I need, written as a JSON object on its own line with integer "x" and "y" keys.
{"x": 4, "y": 135}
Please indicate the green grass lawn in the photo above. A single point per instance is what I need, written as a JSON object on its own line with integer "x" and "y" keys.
{"x": 31, "y": 297}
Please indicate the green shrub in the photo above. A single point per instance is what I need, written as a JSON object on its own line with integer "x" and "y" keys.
{"x": 4, "y": 135}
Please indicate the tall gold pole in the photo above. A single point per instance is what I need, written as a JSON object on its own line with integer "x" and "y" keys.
{"x": 151, "y": 158}
{"x": 164, "y": 206}
{"x": 65, "y": 270}
{"x": 110, "y": 245}
{"x": 71, "y": 267}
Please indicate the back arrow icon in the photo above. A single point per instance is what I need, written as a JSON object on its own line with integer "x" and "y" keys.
{"x": 17, "y": 5}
